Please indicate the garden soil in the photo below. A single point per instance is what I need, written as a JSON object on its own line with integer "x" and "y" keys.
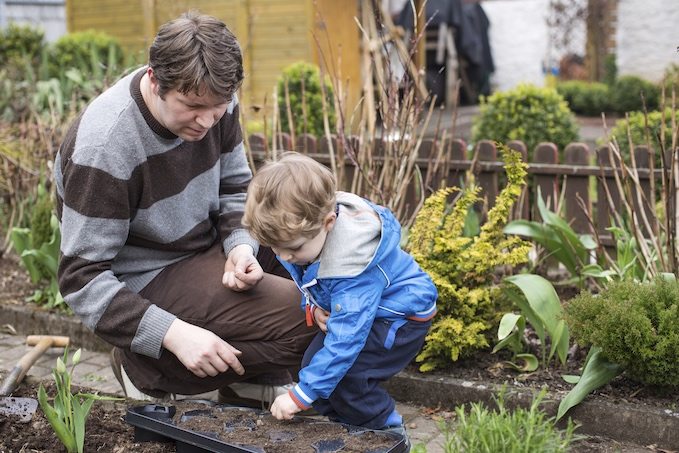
{"x": 108, "y": 432}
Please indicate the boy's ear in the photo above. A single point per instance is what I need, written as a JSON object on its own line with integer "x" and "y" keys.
{"x": 329, "y": 221}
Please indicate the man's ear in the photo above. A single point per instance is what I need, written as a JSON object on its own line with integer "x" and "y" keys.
{"x": 153, "y": 82}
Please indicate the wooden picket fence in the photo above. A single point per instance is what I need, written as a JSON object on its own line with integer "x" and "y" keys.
{"x": 575, "y": 181}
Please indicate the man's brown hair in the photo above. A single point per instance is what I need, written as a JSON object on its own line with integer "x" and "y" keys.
{"x": 196, "y": 53}
{"x": 288, "y": 199}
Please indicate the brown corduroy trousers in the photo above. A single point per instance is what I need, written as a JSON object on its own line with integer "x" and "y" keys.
{"x": 265, "y": 323}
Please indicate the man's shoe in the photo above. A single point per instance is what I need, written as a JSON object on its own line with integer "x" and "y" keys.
{"x": 128, "y": 387}
{"x": 401, "y": 431}
{"x": 259, "y": 396}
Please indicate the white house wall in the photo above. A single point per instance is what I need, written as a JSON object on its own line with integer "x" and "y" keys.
{"x": 50, "y": 15}
{"x": 647, "y": 37}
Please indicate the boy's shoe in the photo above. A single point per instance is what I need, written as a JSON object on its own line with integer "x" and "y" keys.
{"x": 128, "y": 387}
{"x": 401, "y": 431}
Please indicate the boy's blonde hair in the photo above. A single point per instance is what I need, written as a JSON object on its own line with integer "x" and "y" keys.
{"x": 289, "y": 198}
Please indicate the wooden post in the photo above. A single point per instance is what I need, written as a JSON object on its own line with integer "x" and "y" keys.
{"x": 488, "y": 179}
{"x": 642, "y": 156}
{"x": 545, "y": 153}
{"x": 577, "y": 186}
{"x": 606, "y": 186}
{"x": 521, "y": 209}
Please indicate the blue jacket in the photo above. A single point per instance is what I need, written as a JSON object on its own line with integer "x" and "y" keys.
{"x": 361, "y": 275}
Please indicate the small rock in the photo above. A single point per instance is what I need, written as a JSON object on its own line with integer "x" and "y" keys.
{"x": 412, "y": 425}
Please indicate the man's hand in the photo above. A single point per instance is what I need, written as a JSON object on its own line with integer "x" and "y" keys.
{"x": 321, "y": 316}
{"x": 201, "y": 351}
{"x": 242, "y": 271}
{"x": 284, "y": 407}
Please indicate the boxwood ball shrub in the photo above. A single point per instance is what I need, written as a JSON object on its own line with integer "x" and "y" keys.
{"x": 82, "y": 50}
{"x": 20, "y": 41}
{"x": 639, "y": 134}
{"x": 306, "y": 99}
{"x": 636, "y": 325}
{"x": 585, "y": 98}
{"x": 527, "y": 113}
{"x": 626, "y": 94}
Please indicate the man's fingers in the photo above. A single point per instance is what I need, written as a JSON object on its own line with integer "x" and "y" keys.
{"x": 231, "y": 360}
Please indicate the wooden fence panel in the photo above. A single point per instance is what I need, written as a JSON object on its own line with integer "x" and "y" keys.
{"x": 575, "y": 175}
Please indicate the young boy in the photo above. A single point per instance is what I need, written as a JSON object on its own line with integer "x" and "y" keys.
{"x": 370, "y": 299}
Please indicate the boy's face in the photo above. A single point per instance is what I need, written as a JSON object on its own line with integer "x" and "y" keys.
{"x": 303, "y": 251}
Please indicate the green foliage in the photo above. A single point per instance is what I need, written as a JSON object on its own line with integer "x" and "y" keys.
{"x": 69, "y": 412}
{"x": 540, "y": 305}
{"x": 610, "y": 69}
{"x": 642, "y": 135}
{"x": 636, "y": 325}
{"x": 20, "y": 41}
{"x": 41, "y": 260}
{"x": 671, "y": 81}
{"x": 462, "y": 267}
{"x": 596, "y": 372}
{"x": 481, "y": 430}
{"x": 560, "y": 241}
{"x": 626, "y": 94}
{"x": 526, "y": 113}
{"x": 305, "y": 94}
{"x": 89, "y": 51}
{"x": 585, "y": 98}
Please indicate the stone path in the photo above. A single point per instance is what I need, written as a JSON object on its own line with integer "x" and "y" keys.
{"x": 94, "y": 371}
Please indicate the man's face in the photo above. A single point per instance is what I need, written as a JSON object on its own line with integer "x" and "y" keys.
{"x": 189, "y": 116}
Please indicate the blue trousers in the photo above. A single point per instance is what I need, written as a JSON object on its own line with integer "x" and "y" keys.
{"x": 359, "y": 399}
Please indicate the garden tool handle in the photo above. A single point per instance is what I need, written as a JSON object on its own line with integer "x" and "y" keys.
{"x": 40, "y": 344}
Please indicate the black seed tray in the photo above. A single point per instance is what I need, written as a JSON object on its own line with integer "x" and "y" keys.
{"x": 154, "y": 423}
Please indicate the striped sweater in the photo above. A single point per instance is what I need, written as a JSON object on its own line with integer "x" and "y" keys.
{"x": 133, "y": 198}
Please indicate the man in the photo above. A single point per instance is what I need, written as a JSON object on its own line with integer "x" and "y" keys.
{"x": 151, "y": 181}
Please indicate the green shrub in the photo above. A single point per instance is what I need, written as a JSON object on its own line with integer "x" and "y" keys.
{"x": 585, "y": 98}
{"x": 91, "y": 52}
{"x": 481, "y": 430}
{"x": 636, "y": 325}
{"x": 671, "y": 80}
{"x": 306, "y": 99}
{"x": 20, "y": 41}
{"x": 462, "y": 268}
{"x": 626, "y": 94}
{"x": 527, "y": 113}
{"x": 640, "y": 136}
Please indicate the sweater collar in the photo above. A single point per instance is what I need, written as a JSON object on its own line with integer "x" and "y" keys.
{"x": 153, "y": 123}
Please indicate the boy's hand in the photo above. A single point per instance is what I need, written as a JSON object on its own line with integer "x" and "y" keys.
{"x": 321, "y": 316}
{"x": 283, "y": 408}
{"x": 242, "y": 271}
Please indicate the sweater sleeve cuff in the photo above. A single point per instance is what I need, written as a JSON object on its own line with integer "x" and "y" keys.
{"x": 239, "y": 237}
{"x": 148, "y": 340}
{"x": 302, "y": 396}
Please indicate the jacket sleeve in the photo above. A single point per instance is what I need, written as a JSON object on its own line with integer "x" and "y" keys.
{"x": 353, "y": 309}
{"x": 235, "y": 175}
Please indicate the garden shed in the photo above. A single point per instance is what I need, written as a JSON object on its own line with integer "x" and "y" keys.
{"x": 272, "y": 33}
